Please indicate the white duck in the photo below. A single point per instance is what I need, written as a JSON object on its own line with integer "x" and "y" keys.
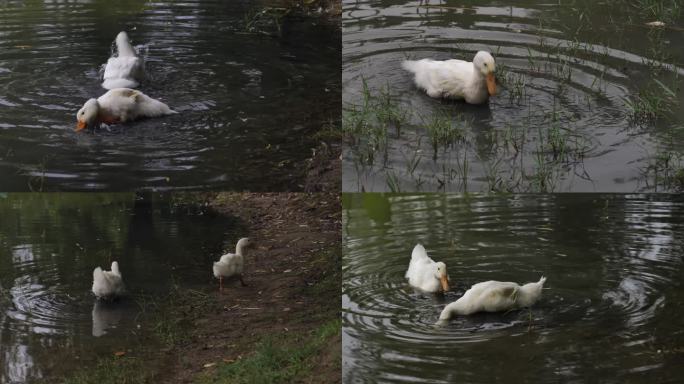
{"x": 494, "y": 296}
{"x": 232, "y": 264}
{"x": 457, "y": 79}
{"x": 119, "y": 106}
{"x": 108, "y": 284}
{"x": 125, "y": 70}
{"x": 425, "y": 274}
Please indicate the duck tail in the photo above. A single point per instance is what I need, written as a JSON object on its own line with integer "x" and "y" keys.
{"x": 115, "y": 268}
{"x": 410, "y": 65}
{"x": 418, "y": 252}
{"x": 97, "y": 274}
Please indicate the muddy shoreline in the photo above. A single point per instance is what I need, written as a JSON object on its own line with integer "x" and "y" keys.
{"x": 293, "y": 278}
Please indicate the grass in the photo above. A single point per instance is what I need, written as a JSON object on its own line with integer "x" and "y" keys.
{"x": 667, "y": 11}
{"x": 366, "y": 125}
{"x": 667, "y": 171}
{"x": 115, "y": 370}
{"x": 277, "y": 359}
{"x": 516, "y": 88}
{"x": 36, "y": 182}
{"x": 651, "y": 103}
{"x": 444, "y": 130}
{"x": 172, "y": 316}
{"x": 269, "y": 20}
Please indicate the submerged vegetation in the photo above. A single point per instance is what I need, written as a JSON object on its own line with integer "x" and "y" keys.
{"x": 651, "y": 103}
{"x": 514, "y": 159}
{"x": 366, "y": 125}
{"x": 269, "y": 20}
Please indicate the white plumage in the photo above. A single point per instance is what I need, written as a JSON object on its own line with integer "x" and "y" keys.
{"x": 232, "y": 264}
{"x": 473, "y": 81}
{"x": 108, "y": 284}
{"x": 126, "y": 70}
{"x": 118, "y": 106}
{"x": 494, "y": 296}
{"x": 423, "y": 273}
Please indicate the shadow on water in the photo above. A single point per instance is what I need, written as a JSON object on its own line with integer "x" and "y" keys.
{"x": 50, "y": 323}
{"x": 250, "y": 103}
{"x": 611, "y": 308}
{"x": 583, "y": 104}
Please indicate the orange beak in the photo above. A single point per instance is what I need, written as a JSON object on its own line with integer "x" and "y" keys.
{"x": 81, "y": 125}
{"x": 445, "y": 283}
{"x": 491, "y": 84}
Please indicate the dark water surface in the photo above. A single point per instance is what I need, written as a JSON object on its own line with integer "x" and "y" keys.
{"x": 249, "y": 103}
{"x": 50, "y": 323}
{"x": 610, "y": 311}
{"x": 560, "y": 121}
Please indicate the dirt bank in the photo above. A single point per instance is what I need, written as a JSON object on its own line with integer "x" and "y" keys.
{"x": 293, "y": 285}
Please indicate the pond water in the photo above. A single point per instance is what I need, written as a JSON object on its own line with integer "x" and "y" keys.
{"x": 610, "y": 311}
{"x": 50, "y": 323}
{"x": 561, "y": 121}
{"x": 249, "y": 102}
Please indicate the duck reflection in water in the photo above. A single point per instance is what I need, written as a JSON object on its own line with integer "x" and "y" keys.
{"x": 106, "y": 315}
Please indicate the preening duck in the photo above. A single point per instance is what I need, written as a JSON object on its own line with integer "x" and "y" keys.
{"x": 119, "y": 106}
{"x": 423, "y": 273}
{"x": 108, "y": 284}
{"x": 472, "y": 81}
{"x": 126, "y": 69}
{"x": 232, "y": 264}
{"x": 494, "y": 296}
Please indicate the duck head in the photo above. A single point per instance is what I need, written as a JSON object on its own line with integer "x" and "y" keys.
{"x": 115, "y": 268}
{"x": 441, "y": 274}
{"x": 122, "y": 38}
{"x": 87, "y": 115}
{"x": 484, "y": 62}
{"x": 242, "y": 244}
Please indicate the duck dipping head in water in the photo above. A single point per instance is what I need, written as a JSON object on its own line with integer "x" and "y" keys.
{"x": 87, "y": 115}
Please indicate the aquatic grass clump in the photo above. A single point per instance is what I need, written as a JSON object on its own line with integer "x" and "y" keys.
{"x": 266, "y": 21}
{"x": 667, "y": 171}
{"x": 366, "y": 138}
{"x": 445, "y": 130}
{"x": 365, "y": 126}
{"x": 514, "y": 82}
{"x": 651, "y": 103}
{"x": 517, "y": 83}
{"x": 388, "y": 112}
{"x": 667, "y": 11}
{"x": 393, "y": 182}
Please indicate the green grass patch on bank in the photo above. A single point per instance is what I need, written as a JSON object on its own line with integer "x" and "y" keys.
{"x": 277, "y": 359}
{"x": 115, "y": 370}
